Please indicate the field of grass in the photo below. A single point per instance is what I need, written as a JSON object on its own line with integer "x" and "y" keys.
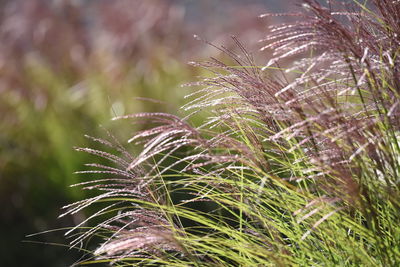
{"x": 66, "y": 69}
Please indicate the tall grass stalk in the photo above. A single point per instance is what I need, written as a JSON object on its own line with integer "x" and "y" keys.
{"x": 299, "y": 165}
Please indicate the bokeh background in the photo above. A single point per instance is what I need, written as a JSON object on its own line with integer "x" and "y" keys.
{"x": 66, "y": 68}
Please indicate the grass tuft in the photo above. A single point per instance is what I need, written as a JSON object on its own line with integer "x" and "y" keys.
{"x": 296, "y": 163}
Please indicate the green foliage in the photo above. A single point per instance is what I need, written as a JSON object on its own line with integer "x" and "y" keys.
{"x": 297, "y": 169}
{"x": 66, "y": 68}
{"x": 49, "y": 97}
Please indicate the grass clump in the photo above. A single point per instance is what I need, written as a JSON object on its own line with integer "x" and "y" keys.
{"x": 294, "y": 165}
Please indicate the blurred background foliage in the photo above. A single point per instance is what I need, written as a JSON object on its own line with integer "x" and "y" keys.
{"x": 67, "y": 67}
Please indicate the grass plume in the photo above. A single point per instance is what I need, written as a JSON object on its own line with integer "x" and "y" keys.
{"x": 294, "y": 165}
